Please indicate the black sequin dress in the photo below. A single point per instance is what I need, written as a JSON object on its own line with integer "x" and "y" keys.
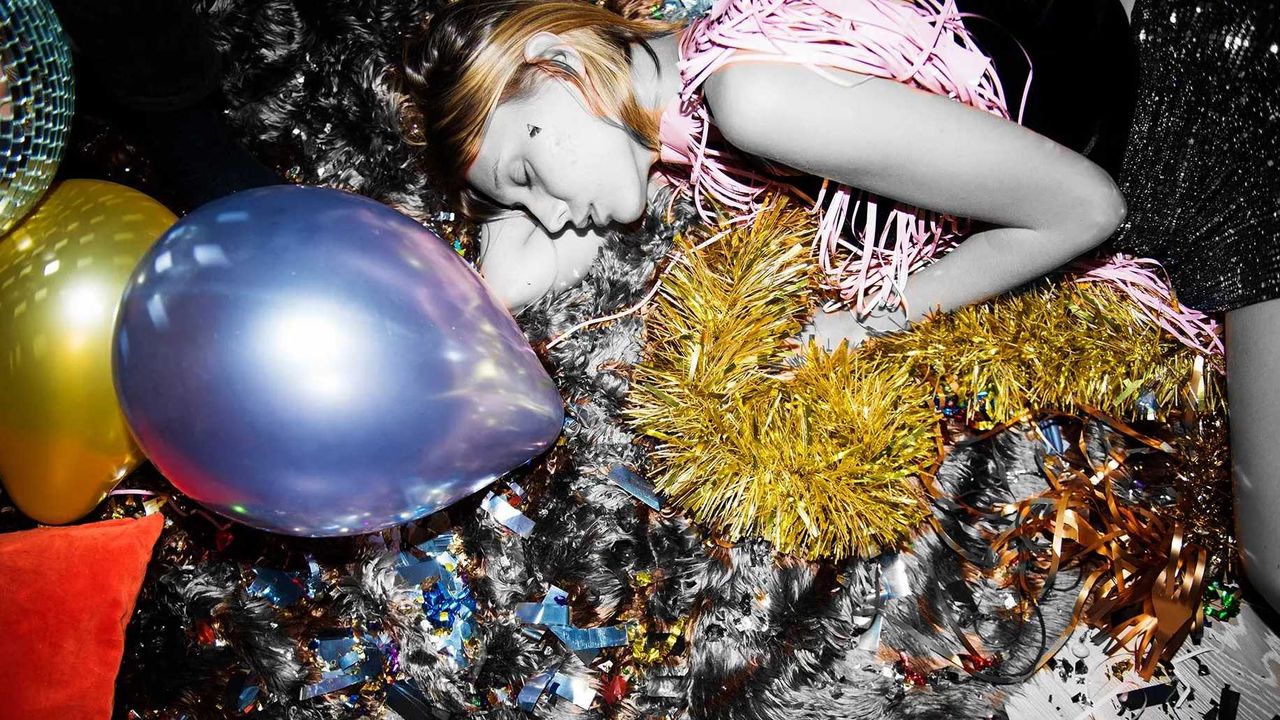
{"x": 1201, "y": 172}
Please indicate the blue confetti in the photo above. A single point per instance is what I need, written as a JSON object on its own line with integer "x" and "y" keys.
{"x": 242, "y": 692}
{"x": 332, "y": 650}
{"x": 437, "y": 544}
{"x": 575, "y": 690}
{"x": 356, "y": 663}
{"x": 590, "y": 638}
{"x": 448, "y": 604}
{"x": 1054, "y": 441}
{"x": 553, "y": 613}
{"x": 543, "y": 613}
{"x": 553, "y": 610}
{"x": 1147, "y": 405}
{"x": 415, "y": 574}
{"x": 639, "y": 487}
{"x": 329, "y": 682}
{"x": 315, "y": 582}
{"x": 533, "y": 689}
{"x": 406, "y": 700}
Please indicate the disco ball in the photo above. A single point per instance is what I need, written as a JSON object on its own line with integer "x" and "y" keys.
{"x": 35, "y": 104}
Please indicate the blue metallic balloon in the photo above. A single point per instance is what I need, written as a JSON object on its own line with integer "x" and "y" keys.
{"x": 310, "y": 362}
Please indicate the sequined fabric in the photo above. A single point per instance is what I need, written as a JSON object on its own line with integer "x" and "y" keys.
{"x": 1200, "y": 172}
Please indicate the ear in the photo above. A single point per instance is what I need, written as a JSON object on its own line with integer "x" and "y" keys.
{"x": 550, "y": 46}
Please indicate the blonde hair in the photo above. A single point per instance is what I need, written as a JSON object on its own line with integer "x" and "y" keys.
{"x": 470, "y": 58}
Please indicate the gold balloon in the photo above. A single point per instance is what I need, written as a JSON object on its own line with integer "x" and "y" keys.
{"x": 63, "y": 440}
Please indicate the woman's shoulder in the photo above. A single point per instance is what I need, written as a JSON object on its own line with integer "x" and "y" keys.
{"x": 741, "y": 45}
{"x": 735, "y": 92}
{"x": 748, "y": 101}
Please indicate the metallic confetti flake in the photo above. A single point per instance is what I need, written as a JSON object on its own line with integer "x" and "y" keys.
{"x": 1054, "y": 441}
{"x": 639, "y": 487}
{"x": 590, "y": 638}
{"x": 437, "y": 544}
{"x": 893, "y": 575}
{"x": 542, "y": 614}
{"x": 406, "y": 700}
{"x": 509, "y": 517}
{"x": 533, "y": 689}
{"x": 329, "y": 682}
{"x": 553, "y": 613}
{"x": 420, "y": 571}
{"x": 279, "y": 588}
{"x": 575, "y": 690}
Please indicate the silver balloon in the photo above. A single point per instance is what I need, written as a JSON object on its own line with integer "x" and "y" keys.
{"x": 311, "y": 362}
{"x": 36, "y": 95}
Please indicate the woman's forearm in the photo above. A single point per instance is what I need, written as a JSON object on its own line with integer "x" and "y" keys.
{"x": 993, "y": 261}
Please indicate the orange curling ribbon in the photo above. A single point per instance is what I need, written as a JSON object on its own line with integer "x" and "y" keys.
{"x": 1136, "y": 564}
{"x": 1142, "y": 583}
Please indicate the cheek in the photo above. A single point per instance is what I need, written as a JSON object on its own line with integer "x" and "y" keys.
{"x": 599, "y": 155}
{"x": 569, "y": 166}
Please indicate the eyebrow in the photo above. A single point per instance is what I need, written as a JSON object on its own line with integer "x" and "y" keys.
{"x": 495, "y": 174}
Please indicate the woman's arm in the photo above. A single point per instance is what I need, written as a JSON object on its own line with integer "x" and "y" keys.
{"x": 1050, "y": 203}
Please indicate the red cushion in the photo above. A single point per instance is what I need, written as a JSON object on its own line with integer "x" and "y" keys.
{"x": 66, "y": 594}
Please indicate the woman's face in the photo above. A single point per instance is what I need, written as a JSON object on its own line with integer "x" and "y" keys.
{"x": 549, "y": 155}
{"x": 572, "y": 172}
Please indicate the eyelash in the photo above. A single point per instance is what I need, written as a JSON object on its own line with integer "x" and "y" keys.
{"x": 524, "y": 182}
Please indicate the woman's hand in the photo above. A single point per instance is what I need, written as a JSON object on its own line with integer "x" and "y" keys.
{"x": 522, "y": 262}
{"x": 829, "y": 329}
{"x": 517, "y": 259}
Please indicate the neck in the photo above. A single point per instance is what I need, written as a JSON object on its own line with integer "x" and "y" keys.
{"x": 657, "y": 85}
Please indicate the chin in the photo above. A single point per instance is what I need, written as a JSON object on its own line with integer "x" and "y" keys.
{"x": 633, "y": 211}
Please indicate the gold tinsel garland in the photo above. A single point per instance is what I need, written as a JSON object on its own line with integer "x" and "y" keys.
{"x": 819, "y": 452}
